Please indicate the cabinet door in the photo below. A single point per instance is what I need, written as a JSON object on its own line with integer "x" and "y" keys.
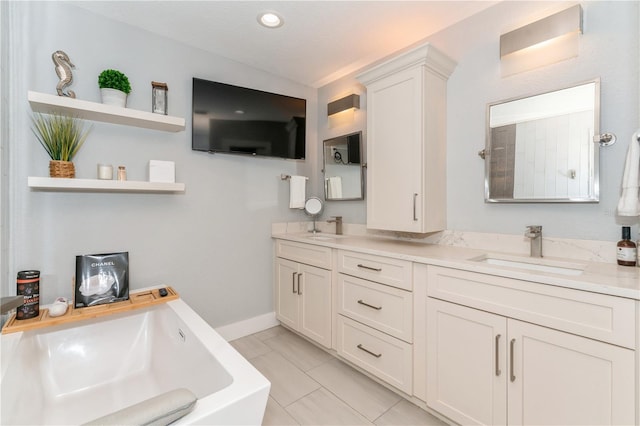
{"x": 315, "y": 304}
{"x": 394, "y": 151}
{"x": 466, "y": 363}
{"x": 286, "y": 292}
{"x": 563, "y": 379}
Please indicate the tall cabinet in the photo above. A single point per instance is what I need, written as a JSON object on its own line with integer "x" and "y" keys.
{"x": 406, "y": 150}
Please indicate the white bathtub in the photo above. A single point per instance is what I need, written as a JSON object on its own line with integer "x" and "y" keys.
{"x": 74, "y": 373}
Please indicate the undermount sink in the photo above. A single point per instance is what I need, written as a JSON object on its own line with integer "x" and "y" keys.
{"x": 326, "y": 237}
{"x": 532, "y": 264}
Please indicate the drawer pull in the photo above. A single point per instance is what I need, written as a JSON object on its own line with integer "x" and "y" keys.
{"x": 362, "y": 348}
{"x": 415, "y": 198}
{"x": 511, "y": 350}
{"x": 293, "y": 282}
{"x": 498, "y": 372}
{"x": 360, "y": 265}
{"x": 299, "y": 289}
{"x": 377, "y": 308}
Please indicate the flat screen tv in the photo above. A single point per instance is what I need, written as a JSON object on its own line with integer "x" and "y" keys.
{"x": 238, "y": 120}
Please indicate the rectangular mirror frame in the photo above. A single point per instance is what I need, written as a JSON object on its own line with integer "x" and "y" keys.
{"x": 592, "y": 197}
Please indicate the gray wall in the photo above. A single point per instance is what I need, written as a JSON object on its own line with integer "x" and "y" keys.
{"x": 211, "y": 243}
{"x": 608, "y": 49}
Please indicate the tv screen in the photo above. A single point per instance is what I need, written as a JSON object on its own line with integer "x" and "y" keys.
{"x": 239, "y": 120}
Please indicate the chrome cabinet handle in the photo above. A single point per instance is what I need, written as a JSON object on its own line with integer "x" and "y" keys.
{"x": 362, "y": 348}
{"x": 369, "y": 267}
{"x": 498, "y": 372}
{"x": 299, "y": 289}
{"x": 415, "y": 199}
{"x": 511, "y": 350}
{"x": 377, "y": 308}
{"x": 293, "y": 282}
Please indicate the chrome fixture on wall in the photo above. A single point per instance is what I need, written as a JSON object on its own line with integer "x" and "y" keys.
{"x": 343, "y": 104}
{"x": 557, "y": 25}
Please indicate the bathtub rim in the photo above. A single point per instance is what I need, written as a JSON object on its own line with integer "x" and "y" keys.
{"x": 247, "y": 382}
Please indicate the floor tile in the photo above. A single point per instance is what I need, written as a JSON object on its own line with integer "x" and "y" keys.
{"x": 406, "y": 413}
{"x": 323, "y": 408}
{"x": 271, "y": 332}
{"x": 303, "y": 354}
{"x": 275, "y": 415}
{"x": 363, "y": 394}
{"x": 288, "y": 383}
{"x": 250, "y": 346}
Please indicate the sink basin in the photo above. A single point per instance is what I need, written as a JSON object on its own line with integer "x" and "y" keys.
{"x": 532, "y": 264}
{"x": 326, "y": 237}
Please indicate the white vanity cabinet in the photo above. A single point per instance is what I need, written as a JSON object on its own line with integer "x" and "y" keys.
{"x": 490, "y": 362}
{"x": 375, "y": 316}
{"x": 406, "y": 148}
{"x": 303, "y": 289}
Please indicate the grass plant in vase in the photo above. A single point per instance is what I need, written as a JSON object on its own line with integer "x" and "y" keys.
{"x": 61, "y": 136}
{"x": 114, "y": 87}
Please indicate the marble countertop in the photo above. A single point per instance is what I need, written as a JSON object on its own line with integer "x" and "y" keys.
{"x": 597, "y": 277}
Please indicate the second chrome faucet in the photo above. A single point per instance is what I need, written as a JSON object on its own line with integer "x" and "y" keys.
{"x": 338, "y": 222}
{"x": 534, "y": 233}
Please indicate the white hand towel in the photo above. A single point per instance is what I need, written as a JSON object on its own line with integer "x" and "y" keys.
{"x": 297, "y": 187}
{"x": 629, "y": 204}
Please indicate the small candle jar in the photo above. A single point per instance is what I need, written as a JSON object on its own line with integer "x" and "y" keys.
{"x": 105, "y": 171}
{"x": 122, "y": 173}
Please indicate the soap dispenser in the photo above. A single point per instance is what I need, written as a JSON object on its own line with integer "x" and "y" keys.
{"x": 626, "y": 249}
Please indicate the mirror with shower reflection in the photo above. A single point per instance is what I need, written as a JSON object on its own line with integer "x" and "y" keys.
{"x": 540, "y": 148}
{"x": 342, "y": 167}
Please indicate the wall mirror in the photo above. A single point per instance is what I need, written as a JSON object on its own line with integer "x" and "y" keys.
{"x": 541, "y": 148}
{"x": 342, "y": 167}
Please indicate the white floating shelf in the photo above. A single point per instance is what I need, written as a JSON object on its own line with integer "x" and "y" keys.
{"x": 96, "y": 185}
{"x": 46, "y": 103}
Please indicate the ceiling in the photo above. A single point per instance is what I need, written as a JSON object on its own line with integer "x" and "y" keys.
{"x": 319, "y": 42}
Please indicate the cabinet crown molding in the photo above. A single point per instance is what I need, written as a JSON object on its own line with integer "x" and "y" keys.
{"x": 425, "y": 55}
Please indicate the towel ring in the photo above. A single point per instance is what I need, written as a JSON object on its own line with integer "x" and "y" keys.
{"x": 605, "y": 139}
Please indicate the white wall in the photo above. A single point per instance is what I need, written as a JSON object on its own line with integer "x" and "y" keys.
{"x": 609, "y": 49}
{"x": 212, "y": 243}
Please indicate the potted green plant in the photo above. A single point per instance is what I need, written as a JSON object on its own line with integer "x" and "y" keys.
{"x": 61, "y": 136}
{"x": 114, "y": 87}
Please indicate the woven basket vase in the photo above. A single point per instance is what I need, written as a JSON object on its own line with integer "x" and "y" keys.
{"x": 61, "y": 169}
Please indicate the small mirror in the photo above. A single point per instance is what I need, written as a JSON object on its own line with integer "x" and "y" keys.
{"x": 540, "y": 148}
{"x": 342, "y": 167}
{"x": 313, "y": 206}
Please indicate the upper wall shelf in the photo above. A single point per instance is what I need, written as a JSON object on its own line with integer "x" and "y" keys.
{"x": 46, "y": 103}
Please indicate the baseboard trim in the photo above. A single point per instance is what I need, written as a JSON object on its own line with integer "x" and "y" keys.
{"x": 249, "y": 326}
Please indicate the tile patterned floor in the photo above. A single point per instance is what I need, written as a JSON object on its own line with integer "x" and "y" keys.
{"x": 311, "y": 387}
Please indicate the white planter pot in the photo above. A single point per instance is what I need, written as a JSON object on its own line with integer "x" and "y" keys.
{"x": 113, "y": 97}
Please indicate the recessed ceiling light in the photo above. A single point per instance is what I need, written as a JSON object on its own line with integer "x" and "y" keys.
{"x": 270, "y": 20}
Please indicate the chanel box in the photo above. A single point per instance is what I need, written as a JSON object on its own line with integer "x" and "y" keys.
{"x": 162, "y": 171}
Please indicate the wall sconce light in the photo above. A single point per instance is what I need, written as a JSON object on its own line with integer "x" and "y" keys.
{"x": 543, "y": 42}
{"x": 348, "y": 102}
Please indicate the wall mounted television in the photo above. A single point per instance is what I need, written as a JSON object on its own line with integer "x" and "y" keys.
{"x": 238, "y": 120}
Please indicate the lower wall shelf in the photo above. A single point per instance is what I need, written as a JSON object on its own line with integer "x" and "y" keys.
{"x": 96, "y": 185}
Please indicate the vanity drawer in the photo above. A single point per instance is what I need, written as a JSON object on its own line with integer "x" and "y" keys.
{"x": 596, "y": 316}
{"x": 384, "y": 308}
{"x": 309, "y": 254}
{"x": 385, "y": 357}
{"x": 385, "y": 270}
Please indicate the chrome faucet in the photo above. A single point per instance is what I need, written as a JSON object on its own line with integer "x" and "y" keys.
{"x": 338, "y": 222}
{"x": 534, "y": 232}
{"x": 9, "y": 303}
